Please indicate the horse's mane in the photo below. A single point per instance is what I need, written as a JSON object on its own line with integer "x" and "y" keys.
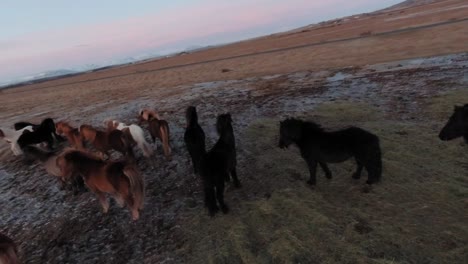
{"x": 310, "y": 125}
{"x": 81, "y": 157}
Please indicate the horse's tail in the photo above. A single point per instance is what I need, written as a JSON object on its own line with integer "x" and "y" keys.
{"x": 127, "y": 145}
{"x": 164, "y": 130}
{"x": 9, "y": 255}
{"x": 137, "y": 185}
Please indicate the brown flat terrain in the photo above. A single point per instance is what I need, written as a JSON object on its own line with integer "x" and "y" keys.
{"x": 396, "y": 73}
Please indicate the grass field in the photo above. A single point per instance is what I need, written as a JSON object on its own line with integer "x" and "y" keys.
{"x": 417, "y": 214}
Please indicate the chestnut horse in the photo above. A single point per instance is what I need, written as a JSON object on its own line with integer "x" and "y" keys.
{"x": 120, "y": 179}
{"x": 72, "y": 134}
{"x": 8, "y": 250}
{"x": 159, "y": 128}
{"x": 135, "y": 133}
{"x": 104, "y": 141}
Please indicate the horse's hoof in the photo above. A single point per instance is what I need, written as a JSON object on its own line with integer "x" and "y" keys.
{"x": 356, "y": 176}
{"x": 237, "y": 184}
{"x": 328, "y": 176}
{"x": 225, "y": 209}
{"x": 311, "y": 182}
{"x": 369, "y": 182}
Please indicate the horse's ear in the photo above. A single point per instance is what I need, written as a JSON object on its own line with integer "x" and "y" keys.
{"x": 1, "y": 133}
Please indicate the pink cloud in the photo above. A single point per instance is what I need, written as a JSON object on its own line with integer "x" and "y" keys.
{"x": 104, "y": 42}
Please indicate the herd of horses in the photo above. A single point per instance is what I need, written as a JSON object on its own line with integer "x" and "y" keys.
{"x": 77, "y": 166}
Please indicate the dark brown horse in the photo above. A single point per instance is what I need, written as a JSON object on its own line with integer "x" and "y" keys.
{"x": 8, "y": 250}
{"x": 457, "y": 125}
{"x": 120, "y": 179}
{"x": 104, "y": 141}
{"x": 72, "y": 134}
{"x": 159, "y": 128}
{"x": 318, "y": 146}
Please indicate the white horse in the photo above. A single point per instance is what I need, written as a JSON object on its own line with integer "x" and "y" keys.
{"x": 11, "y": 137}
{"x": 136, "y": 133}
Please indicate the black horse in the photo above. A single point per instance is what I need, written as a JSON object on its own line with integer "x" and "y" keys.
{"x": 217, "y": 164}
{"x": 457, "y": 125}
{"x": 43, "y": 133}
{"x": 21, "y": 125}
{"x": 194, "y": 138}
{"x": 320, "y": 147}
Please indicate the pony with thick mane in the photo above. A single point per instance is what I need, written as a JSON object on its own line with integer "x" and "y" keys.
{"x": 45, "y": 132}
{"x": 318, "y": 146}
{"x": 135, "y": 133}
{"x": 194, "y": 138}
{"x": 49, "y": 161}
{"x": 120, "y": 179}
{"x": 72, "y": 134}
{"x": 457, "y": 125}
{"x": 8, "y": 250}
{"x": 11, "y": 137}
{"x": 217, "y": 164}
{"x": 159, "y": 128}
{"x": 104, "y": 141}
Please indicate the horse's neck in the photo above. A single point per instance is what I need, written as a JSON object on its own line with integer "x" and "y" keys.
{"x": 227, "y": 137}
{"x": 466, "y": 137}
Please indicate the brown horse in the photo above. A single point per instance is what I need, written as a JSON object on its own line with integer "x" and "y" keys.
{"x": 8, "y": 250}
{"x": 104, "y": 141}
{"x": 160, "y": 129}
{"x": 71, "y": 133}
{"x": 120, "y": 179}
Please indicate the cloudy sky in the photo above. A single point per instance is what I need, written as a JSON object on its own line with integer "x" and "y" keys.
{"x": 38, "y": 36}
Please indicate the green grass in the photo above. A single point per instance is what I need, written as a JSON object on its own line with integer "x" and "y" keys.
{"x": 417, "y": 214}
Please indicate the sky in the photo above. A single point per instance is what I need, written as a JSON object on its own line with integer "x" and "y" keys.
{"x": 39, "y": 36}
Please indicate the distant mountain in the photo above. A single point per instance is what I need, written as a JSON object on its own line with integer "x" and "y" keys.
{"x": 409, "y": 3}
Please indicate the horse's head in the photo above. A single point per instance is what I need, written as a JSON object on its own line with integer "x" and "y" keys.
{"x": 61, "y": 128}
{"x": 87, "y": 132}
{"x": 223, "y": 123}
{"x": 457, "y": 124}
{"x": 290, "y": 132}
{"x": 48, "y": 123}
{"x": 191, "y": 115}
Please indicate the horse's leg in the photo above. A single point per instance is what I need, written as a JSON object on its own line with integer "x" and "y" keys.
{"x": 312, "y": 170}
{"x": 220, "y": 197}
{"x": 119, "y": 199}
{"x": 237, "y": 183}
{"x": 103, "y": 200}
{"x": 357, "y": 174}
{"x": 325, "y": 169}
{"x": 210, "y": 200}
